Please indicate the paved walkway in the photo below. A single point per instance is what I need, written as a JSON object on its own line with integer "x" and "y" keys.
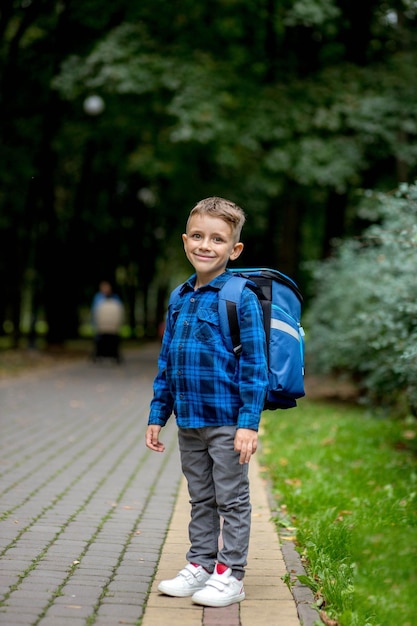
{"x": 91, "y": 520}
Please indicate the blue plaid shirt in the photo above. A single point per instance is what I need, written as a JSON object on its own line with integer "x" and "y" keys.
{"x": 199, "y": 378}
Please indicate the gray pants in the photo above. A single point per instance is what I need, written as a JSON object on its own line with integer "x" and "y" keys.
{"x": 219, "y": 488}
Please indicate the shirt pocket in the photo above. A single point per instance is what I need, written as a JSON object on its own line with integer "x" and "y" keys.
{"x": 208, "y": 326}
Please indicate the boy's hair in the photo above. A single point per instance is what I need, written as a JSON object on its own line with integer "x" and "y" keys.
{"x": 224, "y": 209}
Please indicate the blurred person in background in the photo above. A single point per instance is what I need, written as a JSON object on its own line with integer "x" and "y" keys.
{"x": 107, "y": 315}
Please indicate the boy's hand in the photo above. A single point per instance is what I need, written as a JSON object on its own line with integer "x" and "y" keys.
{"x": 246, "y": 442}
{"x": 152, "y": 438}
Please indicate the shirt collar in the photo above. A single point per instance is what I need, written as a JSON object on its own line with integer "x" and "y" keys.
{"x": 216, "y": 284}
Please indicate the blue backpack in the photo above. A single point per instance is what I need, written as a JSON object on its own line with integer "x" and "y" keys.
{"x": 281, "y": 302}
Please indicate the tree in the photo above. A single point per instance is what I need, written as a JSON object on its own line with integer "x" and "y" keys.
{"x": 363, "y": 319}
{"x": 288, "y": 108}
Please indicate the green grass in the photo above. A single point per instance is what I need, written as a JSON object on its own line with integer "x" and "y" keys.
{"x": 345, "y": 484}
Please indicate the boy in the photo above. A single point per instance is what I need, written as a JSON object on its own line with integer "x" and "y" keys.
{"x": 217, "y": 399}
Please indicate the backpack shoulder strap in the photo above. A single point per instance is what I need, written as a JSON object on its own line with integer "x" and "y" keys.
{"x": 229, "y": 300}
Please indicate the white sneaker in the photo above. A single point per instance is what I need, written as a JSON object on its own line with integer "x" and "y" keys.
{"x": 220, "y": 590}
{"x": 188, "y": 581}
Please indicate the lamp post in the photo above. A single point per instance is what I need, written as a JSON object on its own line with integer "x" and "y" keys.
{"x": 94, "y": 105}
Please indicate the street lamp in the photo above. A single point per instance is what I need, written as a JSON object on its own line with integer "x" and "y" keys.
{"x": 94, "y": 105}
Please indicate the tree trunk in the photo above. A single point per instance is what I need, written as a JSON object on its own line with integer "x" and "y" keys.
{"x": 334, "y": 226}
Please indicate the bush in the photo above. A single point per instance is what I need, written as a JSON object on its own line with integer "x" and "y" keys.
{"x": 363, "y": 318}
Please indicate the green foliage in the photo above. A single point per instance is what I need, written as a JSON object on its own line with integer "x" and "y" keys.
{"x": 320, "y": 131}
{"x": 348, "y": 483}
{"x": 363, "y": 317}
{"x": 124, "y": 62}
{"x": 312, "y": 13}
{"x": 280, "y": 106}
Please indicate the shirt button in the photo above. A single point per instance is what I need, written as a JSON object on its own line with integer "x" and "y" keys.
{"x": 179, "y": 372}
{"x": 192, "y": 299}
{"x": 185, "y": 323}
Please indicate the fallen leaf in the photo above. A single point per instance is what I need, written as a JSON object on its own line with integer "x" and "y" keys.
{"x": 294, "y": 482}
{"x": 341, "y": 515}
{"x": 327, "y": 620}
{"x": 75, "y": 404}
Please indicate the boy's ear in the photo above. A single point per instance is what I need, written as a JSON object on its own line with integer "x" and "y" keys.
{"x": 237, "y": 251}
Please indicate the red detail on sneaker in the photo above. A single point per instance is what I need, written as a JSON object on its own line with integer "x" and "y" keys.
{"x": 221, "y": 569}
{"x": 204, "y": 568}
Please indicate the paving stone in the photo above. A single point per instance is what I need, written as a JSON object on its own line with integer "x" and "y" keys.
{"x": 87, "y": 507}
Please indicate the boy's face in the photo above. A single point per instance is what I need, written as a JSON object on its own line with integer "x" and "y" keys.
{"x": 208, "y": 245}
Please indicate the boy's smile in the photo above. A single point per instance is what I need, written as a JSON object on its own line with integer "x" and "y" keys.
{"x": 209, "y": 244}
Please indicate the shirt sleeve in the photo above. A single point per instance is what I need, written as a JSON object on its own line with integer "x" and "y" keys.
{"x": 162, "y": 402}
{"x": 253, "y": 365}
